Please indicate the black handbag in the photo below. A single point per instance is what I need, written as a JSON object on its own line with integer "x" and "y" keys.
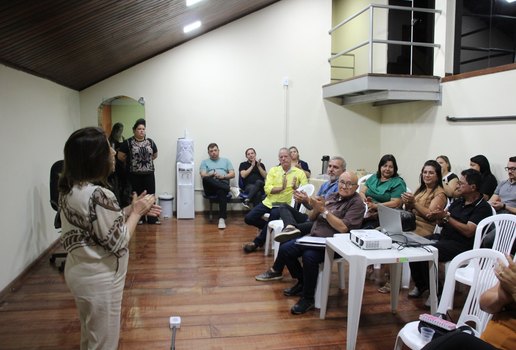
{"x": 408, "y": 220}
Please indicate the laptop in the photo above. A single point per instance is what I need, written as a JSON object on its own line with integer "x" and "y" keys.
{"x": 390, "y": 224}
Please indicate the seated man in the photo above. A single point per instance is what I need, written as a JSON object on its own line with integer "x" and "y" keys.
{"x": 459, "y": 223}
{"x": 297, "y": 224}
{"x": 253, "y": 176}
{"x": 339, "y": 212}
{"x": 281, "y": 182}
{"x": 216, "y": 173}
{"x": 503, "y": 201}
{"x": 504, "y": 197}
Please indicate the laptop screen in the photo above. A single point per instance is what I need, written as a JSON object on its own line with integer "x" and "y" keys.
{"x": 390, "y": 219}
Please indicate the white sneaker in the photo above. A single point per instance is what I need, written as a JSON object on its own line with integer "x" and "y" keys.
{"x": 235, "y": 191}
{"x": 222, "y": 223}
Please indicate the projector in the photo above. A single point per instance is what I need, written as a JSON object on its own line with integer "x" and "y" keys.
{"x": 370, "y": 239}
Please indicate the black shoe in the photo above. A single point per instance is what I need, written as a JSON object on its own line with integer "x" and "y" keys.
{"x": 250, "y": 247}
{"x": 302, "y": 306}
{"x": 417, "y": 292}
{"x": 287, "y": 234}
{"x": 269, "y": 275}
{"x": 295, "y": 290}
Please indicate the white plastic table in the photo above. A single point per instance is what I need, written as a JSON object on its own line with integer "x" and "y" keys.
{"x": 358, "y": 260}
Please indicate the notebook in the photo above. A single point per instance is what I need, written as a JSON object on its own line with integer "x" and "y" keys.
{"x": 390, "y": 224}
{"x": 312, "y": 241}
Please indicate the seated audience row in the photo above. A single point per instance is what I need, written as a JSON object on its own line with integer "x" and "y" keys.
{"x": 216, "y": 173}
{"x": 428, "y": 203}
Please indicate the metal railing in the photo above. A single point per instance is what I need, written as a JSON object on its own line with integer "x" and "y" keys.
{"x": 371, "y": 40}
{"x": 350, "y": 67}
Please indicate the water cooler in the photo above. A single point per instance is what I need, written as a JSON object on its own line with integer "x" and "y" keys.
{"x": 185, "y": 179}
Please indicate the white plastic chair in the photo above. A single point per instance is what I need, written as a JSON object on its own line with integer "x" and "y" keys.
{"x": 275, "y": 226}
{"x": 342, "y": 280}
{"x": 505, "y": 226}
{"x": 482, "y": 262}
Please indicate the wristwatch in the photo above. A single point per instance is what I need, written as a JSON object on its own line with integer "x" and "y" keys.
{"x": 325, "y": 213}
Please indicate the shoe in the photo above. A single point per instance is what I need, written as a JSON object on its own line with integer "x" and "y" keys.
{"x": 140, "y": 222}
{"x": 245, "y": 204}
{"x": 269, "y": 275}
{"x": 250, "y": 247}
{"x": 386, "y": 289}
{"x": 302, "y": 306}
{"x": 288, "y": 233}
{"x": 222, "y": 223}
{"x": 416, "y": 292}
{"x": 295, "y": 290}
{"x": 157, "y": 222}
{"x": 235, "y": 191}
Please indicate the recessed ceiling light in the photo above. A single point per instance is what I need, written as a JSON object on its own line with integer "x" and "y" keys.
{"x": 192, "y": 26}
{"x": 192, "y": 2}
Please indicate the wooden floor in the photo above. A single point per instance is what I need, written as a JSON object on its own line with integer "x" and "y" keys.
{"x": 191, "y": 269}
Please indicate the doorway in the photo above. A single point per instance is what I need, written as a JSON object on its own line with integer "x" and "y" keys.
{"x": 120, "y": 109}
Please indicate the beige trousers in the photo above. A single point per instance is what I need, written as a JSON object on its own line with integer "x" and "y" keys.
{"x": 97, "y": 286}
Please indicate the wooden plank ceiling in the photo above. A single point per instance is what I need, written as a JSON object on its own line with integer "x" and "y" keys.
{"x": 77, "y": 43}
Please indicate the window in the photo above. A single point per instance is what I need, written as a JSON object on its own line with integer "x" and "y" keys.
{"x": 485, "y": 34}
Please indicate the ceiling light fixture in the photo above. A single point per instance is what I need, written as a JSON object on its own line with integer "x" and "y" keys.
{"x": 509, "y": 1}
{"x": 192, "y": 26}
{"x": 192, "y": 2}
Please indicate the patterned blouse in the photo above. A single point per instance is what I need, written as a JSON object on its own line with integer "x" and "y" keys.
{"x": 140, "y": 155}
{"x": 93, "y": 225}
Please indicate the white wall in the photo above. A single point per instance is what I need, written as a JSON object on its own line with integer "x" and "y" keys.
{"x": 37, "y": 117}
{"x": 416, "y": 132}
{"x": 226, "y": 87}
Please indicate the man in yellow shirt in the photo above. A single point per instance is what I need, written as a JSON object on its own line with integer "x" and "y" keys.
{"x": 280, "y": 184}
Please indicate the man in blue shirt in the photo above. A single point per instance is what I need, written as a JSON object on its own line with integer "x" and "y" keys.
{"x": 297, "y": 224}
{"x": 215, "y": 174}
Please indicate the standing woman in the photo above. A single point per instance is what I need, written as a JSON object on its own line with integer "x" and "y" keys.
{"x": 450, "y": 180}
{"x": 115, "y": 137}
{"x": 139, "y": 152}
{"x": 428, "y": 198}
{"x": 298, "y": 163}
{"x": 118, "y": 180}
{"x": 96, "y": 233}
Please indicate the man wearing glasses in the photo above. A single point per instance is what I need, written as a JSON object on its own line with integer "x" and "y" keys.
{"x": 339, "y": 212}
{"x": 296, "y": 224}
{"x": 504, "y": 197}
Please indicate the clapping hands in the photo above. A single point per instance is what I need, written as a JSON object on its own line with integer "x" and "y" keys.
{"x": 507, "y": 276}
{"x": 145, "y": 204}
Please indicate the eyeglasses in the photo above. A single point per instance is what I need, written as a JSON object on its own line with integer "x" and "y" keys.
{"x": 510, "y": 169}
{"x": 347, "y": 184}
